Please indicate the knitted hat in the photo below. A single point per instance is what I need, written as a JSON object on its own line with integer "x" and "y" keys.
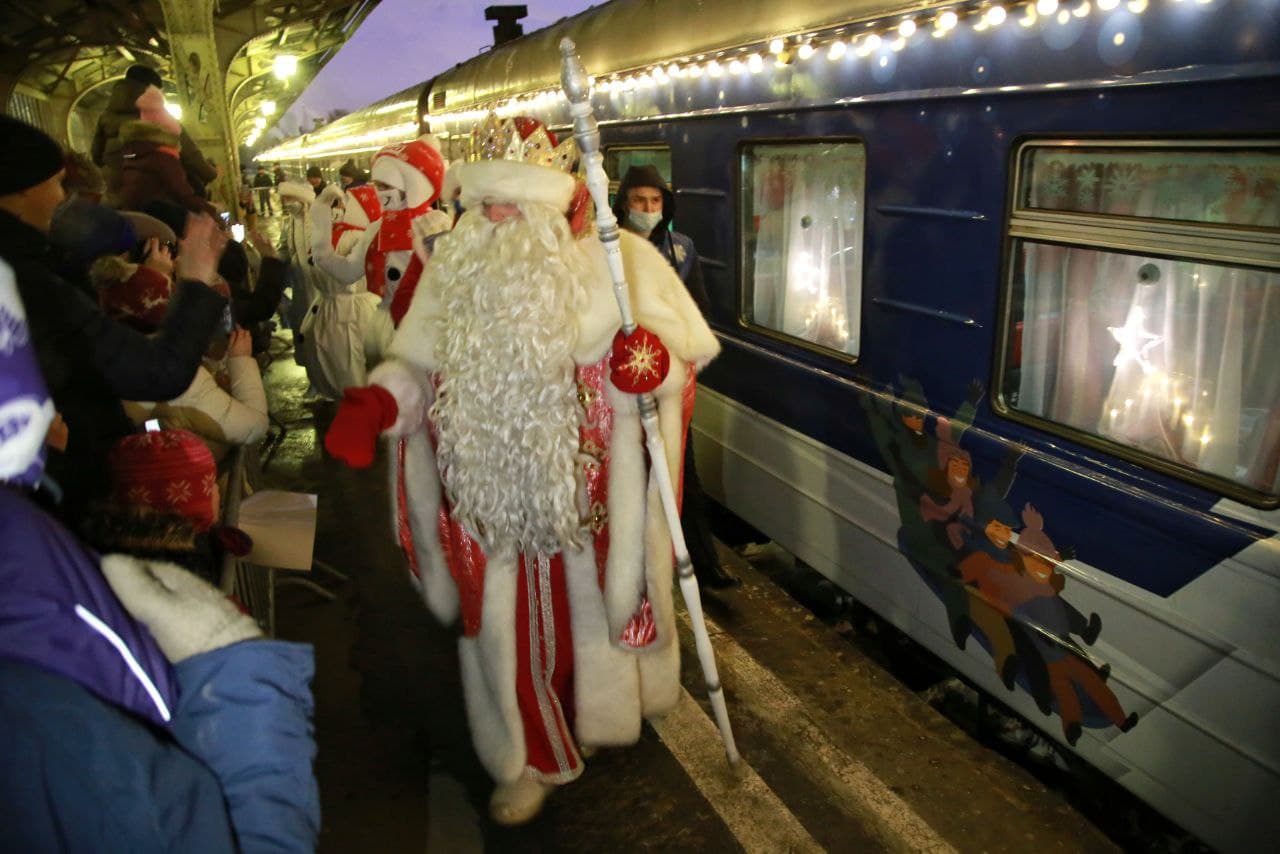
{"x": 349, "y": 170}
{"x": 26, "y": 410}
{"x": 314, "y": 172}
{"x": 415, "y": 167}
{"x": 83, "y": 232}
{"x": 28, "y": 156}
{"x": 134, "y": 294}
{"x": 151, "y": 109}
{"x": 146, "y": 227}
{"x": 168, "y": 470}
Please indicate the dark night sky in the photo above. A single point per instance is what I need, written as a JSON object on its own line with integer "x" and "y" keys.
{"x": 403, "y": 42}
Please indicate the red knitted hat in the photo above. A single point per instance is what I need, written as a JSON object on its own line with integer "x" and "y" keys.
{"x": 142, "y": 300}
{"x": 169, "y": 470}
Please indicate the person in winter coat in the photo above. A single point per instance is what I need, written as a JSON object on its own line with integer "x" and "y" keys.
{"x": 150, "y": 165}
{"x": 645, "y": 206}
{"x": 89, "y": 360}
{"x": 263, "y": 182}
{"x": 122, "y": 108}
{"x": 141, "y": 711}
{"x": 222, "y": 417}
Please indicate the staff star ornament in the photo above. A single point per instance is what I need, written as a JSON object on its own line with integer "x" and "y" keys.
{"x": 639, "y": 361}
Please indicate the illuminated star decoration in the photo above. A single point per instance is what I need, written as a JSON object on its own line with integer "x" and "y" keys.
{"x": 1134, "y": 340}
{"x": 642, "y": 361}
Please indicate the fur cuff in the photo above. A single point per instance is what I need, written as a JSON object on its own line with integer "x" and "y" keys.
{"x": 412, "y": 392}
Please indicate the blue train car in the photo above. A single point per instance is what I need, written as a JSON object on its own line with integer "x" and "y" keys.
{"x": 998, "y": 288}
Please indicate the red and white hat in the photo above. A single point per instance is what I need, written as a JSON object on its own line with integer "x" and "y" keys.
{"x": 170, "y": 470}
{"x": 520, "y": 162}
{"x": 366, "y": 209}
{"x": 415, "y": 167}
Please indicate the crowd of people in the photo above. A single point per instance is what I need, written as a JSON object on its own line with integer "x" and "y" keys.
{"x": 461, "y": 314}
{"x": 127, "y": 371}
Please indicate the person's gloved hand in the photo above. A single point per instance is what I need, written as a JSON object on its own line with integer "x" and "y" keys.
{"x": 185, "y": 614}
{"x": 639, "y": 361}
{"x": 362, "y": 415}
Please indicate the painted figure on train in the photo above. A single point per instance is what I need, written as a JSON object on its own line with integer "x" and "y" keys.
{"x": 995, "y": 571}
{"x": 524, "y": 499}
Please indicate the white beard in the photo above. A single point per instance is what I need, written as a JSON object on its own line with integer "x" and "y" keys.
{"x": 507, "y": 414}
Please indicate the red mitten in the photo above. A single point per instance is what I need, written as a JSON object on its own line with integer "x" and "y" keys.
{"x": 362, "y": 415}
{"x": 639, "y": 361}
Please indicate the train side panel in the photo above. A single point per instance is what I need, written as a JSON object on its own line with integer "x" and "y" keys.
{"x": 1186, "y": 593}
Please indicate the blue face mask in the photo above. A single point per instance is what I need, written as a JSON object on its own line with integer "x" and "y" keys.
{"x": 644, "y": 222}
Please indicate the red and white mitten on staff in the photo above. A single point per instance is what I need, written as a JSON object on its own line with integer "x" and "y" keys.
{"x": 639, "y": 362}
{"x": 362, "y": 416}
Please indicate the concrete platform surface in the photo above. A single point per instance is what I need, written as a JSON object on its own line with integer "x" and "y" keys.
{"x": 838, "y": 756}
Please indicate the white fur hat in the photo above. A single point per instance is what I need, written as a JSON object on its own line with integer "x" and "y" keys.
{"x": 509, "y": 181}
{"x": 297, "y": 191}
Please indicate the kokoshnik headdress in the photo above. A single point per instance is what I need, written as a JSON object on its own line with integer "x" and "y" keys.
{"x": 515, "y": 160}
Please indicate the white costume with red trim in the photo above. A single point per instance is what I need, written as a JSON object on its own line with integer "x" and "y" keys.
{"x": 383, "y": 254}
{"x": 333, "y": 316}
{"x": 578, "y": 647}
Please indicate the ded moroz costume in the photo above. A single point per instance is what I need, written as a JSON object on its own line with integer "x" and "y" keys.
{"x": 523, "y": 495}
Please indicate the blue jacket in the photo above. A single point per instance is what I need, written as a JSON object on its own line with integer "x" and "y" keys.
{"x": 91, "y": 763}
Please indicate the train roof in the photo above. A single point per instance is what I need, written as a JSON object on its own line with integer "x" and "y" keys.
{"x": 368, "y": 129}
{"x": 629, "y": 34}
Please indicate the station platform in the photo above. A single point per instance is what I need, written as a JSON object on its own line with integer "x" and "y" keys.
{"x": 837, "y": 754}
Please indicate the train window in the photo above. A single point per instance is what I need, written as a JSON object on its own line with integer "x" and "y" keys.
{"x": 1158, "y": 339}
{"x": 802, "y": 229}
{"x": 1207, "y": 185}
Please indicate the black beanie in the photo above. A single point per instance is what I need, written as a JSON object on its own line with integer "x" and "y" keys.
{"x": 28, "y": 156}
{"x": 144, "y": 74}
{"x": 349, "y": 170}
{"x": 314, "y": 172}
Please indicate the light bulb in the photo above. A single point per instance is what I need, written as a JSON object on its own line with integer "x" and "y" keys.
{"x": 1046, "y": 7}
{"x": 776, "y": 46}
{"x": 947, "y": 20}
{"x": 837, "y": 49}
{"x": 806, "y": 50}
{"x": 996, "y": 15}
{"x": 907, "y": 28}
{"x": 755, "y": 64}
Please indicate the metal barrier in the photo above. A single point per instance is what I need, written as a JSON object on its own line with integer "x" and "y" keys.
{"x": 253, "y": 586}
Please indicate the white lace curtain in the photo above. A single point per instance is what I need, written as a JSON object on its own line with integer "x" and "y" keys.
{"x": 1178, "y": 358}
{"x": 807, "y": 263}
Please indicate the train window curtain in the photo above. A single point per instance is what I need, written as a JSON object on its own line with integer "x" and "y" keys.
{"x": 1175, "y": 357}
{"x": 803, "y": 206}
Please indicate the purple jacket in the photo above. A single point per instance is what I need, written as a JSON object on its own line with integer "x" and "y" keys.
{"x": 58, "y": 612}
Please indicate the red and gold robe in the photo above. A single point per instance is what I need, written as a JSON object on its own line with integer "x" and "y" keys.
{"x": 578, "y": 647}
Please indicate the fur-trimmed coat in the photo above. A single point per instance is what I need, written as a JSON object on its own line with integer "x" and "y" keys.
{"x": 615, "y": 685}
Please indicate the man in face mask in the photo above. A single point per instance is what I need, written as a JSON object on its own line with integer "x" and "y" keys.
{"x": 645, "y": 206}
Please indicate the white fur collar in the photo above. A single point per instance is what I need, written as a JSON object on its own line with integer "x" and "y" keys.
{"x": 659, "y": 301}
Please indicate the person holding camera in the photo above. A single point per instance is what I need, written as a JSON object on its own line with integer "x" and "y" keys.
{"x": 91, "y": 361}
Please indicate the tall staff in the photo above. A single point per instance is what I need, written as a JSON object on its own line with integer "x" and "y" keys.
{"x": 573, "y": 77}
